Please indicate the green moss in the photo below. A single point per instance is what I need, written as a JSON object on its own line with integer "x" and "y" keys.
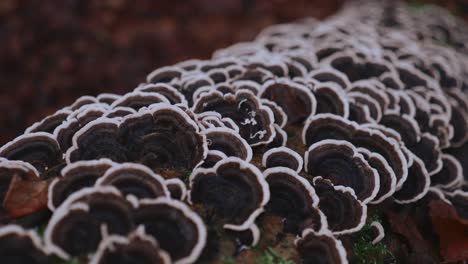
{"x": 367, "y": 253}
{"x": 271, "y": 257}
{"x": 228, "y": 260}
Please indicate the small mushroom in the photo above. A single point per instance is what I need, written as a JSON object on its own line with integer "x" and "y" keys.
{"x": 297, "y": 101}
{"x": 20, "y": 246}
{"x": 340, "y": 162}
{"x": 416, "y": 185}
{"x": 293, "y": 198}
{"x": 280, "y": 116}
{"x": 254, "y": 120}
{"x": 177, "y": 188}
{"x": 178, "y": 229}
{"x": 49, "y": 123}
{"x": 234, "y": 189}
{"x": 387, "y": 176}
{"x": 164, "y": 75}
{"x": 137, "y": 247}
{"x": 229, "y": 142}
{"x": 75, "y": 177}
{"x": 87, "y": 215}
{"x": 134, "y": 179}
{"x": 451, "y": 174}
{"x": 169, "y": 92}
{"x": 282, "y": 157}
{"x": 331, "y": 99}
{"x": 40, "y": 149}
{"x": 345, "y": 214}
{"x": 137, "y": 99}
{"x": 78, "y": 119}
{"x": 320, "y": 247}
{"x": 378, "y": 232}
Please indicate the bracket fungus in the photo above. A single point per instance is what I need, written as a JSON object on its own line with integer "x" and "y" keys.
{"x": 137, "y": 247}
{"x": 165, "y": 219}
{"x": 235, "y": 189}
{"x": 254, "y": 120}
{"x": 320, "y": 247}
{"x": 342, "y": 164}
{"x": 365, "y": 109}
{"x": 20, "y": 246}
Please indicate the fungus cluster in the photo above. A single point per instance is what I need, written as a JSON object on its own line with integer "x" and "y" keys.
{"x": 312, "y": 123}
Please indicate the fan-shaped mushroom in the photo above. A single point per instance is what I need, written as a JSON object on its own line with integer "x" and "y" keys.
{"x": 320, "y": 247}
{"x": 294, "y": 199}
{"x": 235, "y": 189}
{"x": 344, "y": 212}
{"x": 40, "y": 149}
{"x": 20, "y": 246}
{"x": 179, "y": 230}
{"x": 340, "y": 162}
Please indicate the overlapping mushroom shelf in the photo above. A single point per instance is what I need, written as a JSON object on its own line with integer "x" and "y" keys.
{"x": 312, "y": 123}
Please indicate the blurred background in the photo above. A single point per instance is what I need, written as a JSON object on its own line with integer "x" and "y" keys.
{"x": 52, "y": 52}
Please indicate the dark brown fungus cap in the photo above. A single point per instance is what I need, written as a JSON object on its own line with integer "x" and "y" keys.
{"x": 377, "y": 232}
{"x": 459, "y": 117}
{"x": 327, "y": 126}
{"x": 75, "y": 177}
{"x": 405, "y": 125}
{"x": 280, "y": 140}
{"x": 193, "y": 83}
{"x": 40, "y": 149}
{"x": 364, "y": 100}
{"x": 178, "y": 229}
{"x": 119, "y": 111}
{"x": 372, "y": 89}
{"x": 320, "y": 247}
{"x": 387, "y": 176}
{"x": 330, "y": 75}
{"x": 344, "y": 212}
{"x": 78, "y": 119}
{"x": 163, "y": 136}
{"x": 294, "y": 199}
{"x": 282, "y": 157}
{"x": 169, "y": 92}
{"x": 107, "y": 98}
{"x": 428, "y": 150}
{"x": 87, "y": 215}
{"x": 297, "y": 100}
{"x": 97, "y": 139}
{"x": 49, "y": 123}
{"x": 451, "y": 174}
{"x": 212, "y": 158}
{"x": 254, "y": 120}
{"x": 218, "y": 75}
{"x": 340, "y": 162}
{"x": 164, "y": 74}
{"x": 229, "y": 142}
{"x": 246, "y": 85}
{"x": 359, "y": 113}
{"x": 134, "y": 179}
{"x": 82, "y": 101}
{"x": 19, "y": 246}
{"x": 234, "y": 189}
{"x": 389, "y": 148}
{"x": 176, "y": 188}
{"x": 459, "y": 199}
{"x": 137, "y": 100}
{"x": 416, "y": 185}
{"x": 278, "y": 113}
{"x": 137, "y": 247}
{"x": 331, "y": 99}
